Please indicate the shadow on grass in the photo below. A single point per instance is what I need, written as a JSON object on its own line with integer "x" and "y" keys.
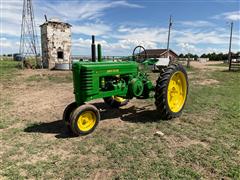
{"x": 131, "y": 114}
{"x": 233, "y": 70}
{"x": 55, "y": 127}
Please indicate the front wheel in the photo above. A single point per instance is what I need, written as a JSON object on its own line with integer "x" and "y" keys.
{"x": 67, "y": 113}
{"x": 84, "y": 119}
{"x": 171, "y": 91}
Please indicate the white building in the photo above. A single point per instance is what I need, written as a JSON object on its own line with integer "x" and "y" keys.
{"x": 56, "y": 43}
{"x": 203, "y": 60}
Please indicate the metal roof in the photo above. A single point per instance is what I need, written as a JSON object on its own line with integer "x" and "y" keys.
{"x": 158, "y": 52}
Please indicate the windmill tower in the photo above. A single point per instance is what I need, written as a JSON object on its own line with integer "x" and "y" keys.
{"x": 28, "y": 40}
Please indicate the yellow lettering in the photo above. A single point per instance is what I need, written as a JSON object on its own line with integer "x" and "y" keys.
{"x": 112, "y": 70}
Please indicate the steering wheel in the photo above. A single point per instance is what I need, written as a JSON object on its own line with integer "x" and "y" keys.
{"x": 139, "y": 54}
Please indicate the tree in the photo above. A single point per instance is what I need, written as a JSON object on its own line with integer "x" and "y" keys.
{"x": 195, "y": 57}
{"x": 215, "y": 57}
{"x": 181, "y": 55}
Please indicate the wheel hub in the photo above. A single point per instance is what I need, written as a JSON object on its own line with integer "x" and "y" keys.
{"x": 86, "y": 120}
{"x": 177, "y": 89}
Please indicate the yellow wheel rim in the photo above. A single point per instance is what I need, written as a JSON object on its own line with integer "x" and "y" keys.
{"x": 119, "y": 99}
{"x": 86, "y": 120}
{"x": 177, "y": 91}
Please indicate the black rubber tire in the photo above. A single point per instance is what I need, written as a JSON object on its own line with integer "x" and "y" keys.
{"x": 113, "y": 103}
{"x": 74, "y": 118}
{"x": 67, "y": 113}
{"x": 162, "y": 88}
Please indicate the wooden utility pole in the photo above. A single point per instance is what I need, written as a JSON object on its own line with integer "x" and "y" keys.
{"x": 230, "y": 46}
{"x": 169, "y": 31}
{"x": 188, "y": 61}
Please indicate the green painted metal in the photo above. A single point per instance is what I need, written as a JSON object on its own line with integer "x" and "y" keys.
{"x": 99, "y": 50}
{"x": 93, "y": 80}
{"x": 102, "y": 79}
{"x": 150, "y": 61}
{"x": 136, "y": 87}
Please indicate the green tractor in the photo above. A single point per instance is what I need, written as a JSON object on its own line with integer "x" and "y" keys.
{"x": 117, "y": 83}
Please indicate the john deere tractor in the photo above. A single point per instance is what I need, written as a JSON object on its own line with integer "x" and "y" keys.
{"x": 117, "y": 82}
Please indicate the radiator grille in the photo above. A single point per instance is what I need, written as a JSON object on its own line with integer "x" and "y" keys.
{"x": 86, "y": 77}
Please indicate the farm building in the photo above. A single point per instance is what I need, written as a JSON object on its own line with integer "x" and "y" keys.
{"x": 203, "y": 60}
{"x": 161, "y": 53}
{"x": 56, "y": 43}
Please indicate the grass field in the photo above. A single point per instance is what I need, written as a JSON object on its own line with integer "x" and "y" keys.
{"x": 203, "y": 143}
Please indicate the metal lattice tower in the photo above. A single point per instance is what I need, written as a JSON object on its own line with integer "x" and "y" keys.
{"x": 28, "y": 41}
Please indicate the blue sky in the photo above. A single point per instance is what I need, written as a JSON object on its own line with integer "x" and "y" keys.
{"x": 199, "y": 26}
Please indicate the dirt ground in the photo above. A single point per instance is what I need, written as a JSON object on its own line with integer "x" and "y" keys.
{"x": 35, "y": 102}
{"x": 207, "y": 66}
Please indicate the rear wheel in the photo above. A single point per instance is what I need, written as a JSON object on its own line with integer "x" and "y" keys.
{"x": 84, "y": 119}
{"x": 171, "y": 91}
{"x": 115, "y": 101}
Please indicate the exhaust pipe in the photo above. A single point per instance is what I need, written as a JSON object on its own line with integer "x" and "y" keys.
{"x": 93, "y": 49}
{"x": 99, "y": 50}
